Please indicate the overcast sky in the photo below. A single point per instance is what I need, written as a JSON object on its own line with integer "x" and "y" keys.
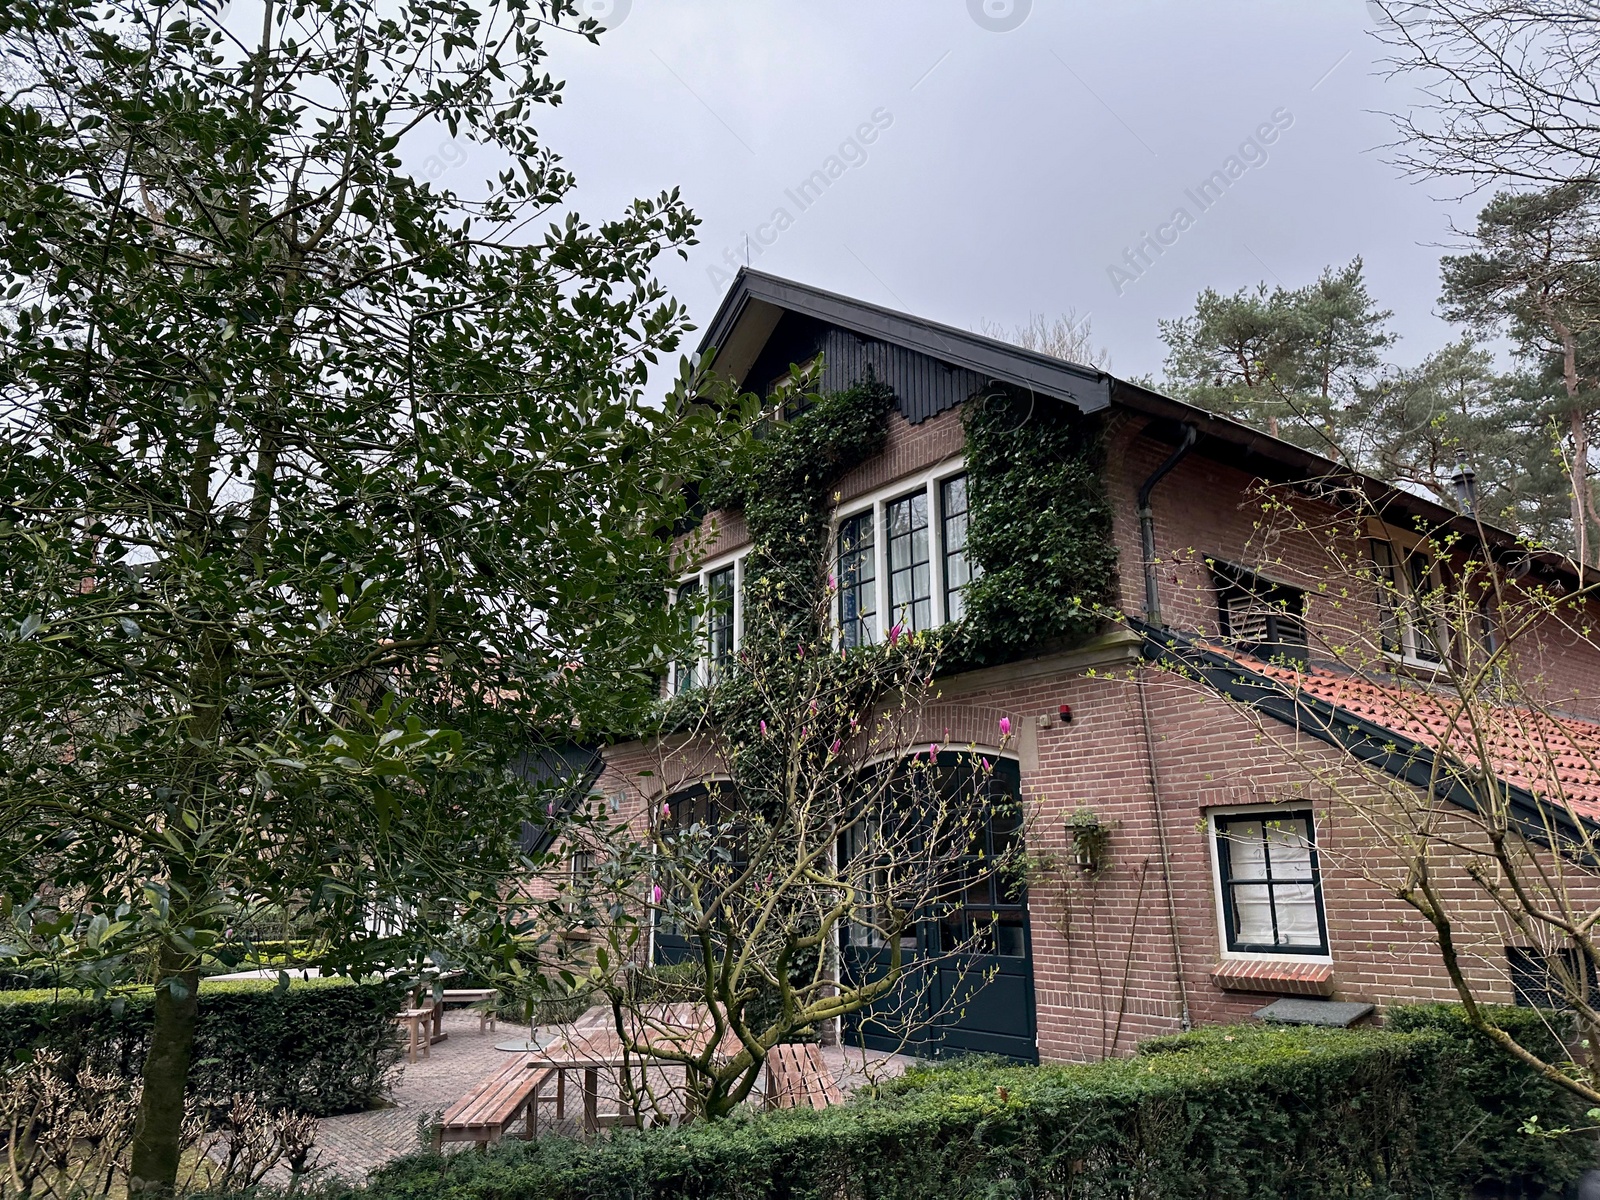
{"x": 1009, "y": 169}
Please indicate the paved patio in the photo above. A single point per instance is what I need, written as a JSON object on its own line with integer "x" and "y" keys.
{"x": 350, "y": 1146}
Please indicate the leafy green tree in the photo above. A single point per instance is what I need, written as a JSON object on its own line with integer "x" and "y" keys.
{"x": 324, "y": 488}
{"x": 1291, "y": 361}
{"x": 1535, "y": 273}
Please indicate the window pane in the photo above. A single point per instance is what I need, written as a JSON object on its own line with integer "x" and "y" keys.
{"x": 686, "y": 675}
{"x": 1388, "y": 590}
{"x": 1252, "y": 914}
{"x": 1419, "y": 573}
{"x": 1247, "y": 851}
{"x": 910, "y": 581}
{"x": 719, "y": 621}
{"x": 958, "y": 571}
{"x": 1296, "y": 907}
{"x": 1289, "y": 848}
{"x": 858, "y": 586}
{"x": 1009, "y": 939}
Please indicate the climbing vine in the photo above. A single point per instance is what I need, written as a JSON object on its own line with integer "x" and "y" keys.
{"x": 1039, "y": 526}
{"x": 1040, "y": 523}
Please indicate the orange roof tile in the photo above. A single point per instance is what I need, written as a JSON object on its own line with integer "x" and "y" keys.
{"x": 1557, "y": 759}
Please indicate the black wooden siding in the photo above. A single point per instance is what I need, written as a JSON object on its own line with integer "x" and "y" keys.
{"x": 923, "y": 387}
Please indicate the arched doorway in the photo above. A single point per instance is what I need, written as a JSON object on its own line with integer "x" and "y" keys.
{"x": 968, "y": 971}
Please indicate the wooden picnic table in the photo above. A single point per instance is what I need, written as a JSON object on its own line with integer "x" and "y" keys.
{"x": 594, "y": 1049}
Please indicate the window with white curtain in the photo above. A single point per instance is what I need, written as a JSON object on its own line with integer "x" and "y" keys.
{"x": 901, "y": 558}
{"x": 1271, "y": 884}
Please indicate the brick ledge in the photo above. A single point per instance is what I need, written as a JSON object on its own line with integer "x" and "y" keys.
{"x": 1278, "y": 977}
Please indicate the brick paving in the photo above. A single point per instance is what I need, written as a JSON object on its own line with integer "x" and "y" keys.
{"x": 354, "y": 1144}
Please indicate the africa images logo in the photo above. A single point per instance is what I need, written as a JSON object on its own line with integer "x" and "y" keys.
{"x": 610, "y": 13}
{"x": 999, "y": 16}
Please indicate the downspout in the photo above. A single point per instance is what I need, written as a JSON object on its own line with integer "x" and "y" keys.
{"x": 1147, "y": 527}
{"x": 1152, "y": 616}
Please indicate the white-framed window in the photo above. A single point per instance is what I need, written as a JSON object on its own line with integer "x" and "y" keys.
{"x": 901, "y": 557}
{"x": 712, "y": 600}
{"x": 580, "y": 876}
{"x": 1406, "y": 575}
{"x": 1269, "y": 882}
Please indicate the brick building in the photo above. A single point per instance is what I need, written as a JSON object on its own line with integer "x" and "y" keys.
{"x": 1183, "y": 769}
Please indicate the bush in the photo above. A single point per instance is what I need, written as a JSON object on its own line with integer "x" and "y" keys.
{"x": 1237, "y": 1112}
{"x": 1507, "y": 1093}
{"x": 325, "y": 1046}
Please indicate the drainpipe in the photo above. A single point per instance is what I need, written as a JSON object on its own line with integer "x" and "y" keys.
{"x": 1147, "y": 527}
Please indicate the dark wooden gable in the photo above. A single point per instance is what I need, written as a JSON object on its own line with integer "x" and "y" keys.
{"x": 923, "y": 386}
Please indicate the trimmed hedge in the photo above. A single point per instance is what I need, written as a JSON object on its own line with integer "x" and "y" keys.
{"x": 1235, "y": 1112}
{"x": 323, "y": 1047}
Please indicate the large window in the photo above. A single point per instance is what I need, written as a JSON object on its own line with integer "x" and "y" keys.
{"x": 903, "y": 560}
{"x": 1405, "y": 580}
{"x": 910, "y": 581}
{"x": 717, "y": 623}
{"x": 1271, "y": 886}
{"x": 686, "y": 672}
{"x": 959, "y": 570}
{"x": 858, "y": 582}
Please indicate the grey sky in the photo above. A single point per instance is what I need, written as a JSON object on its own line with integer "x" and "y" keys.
{"x": 1016, "y": 167}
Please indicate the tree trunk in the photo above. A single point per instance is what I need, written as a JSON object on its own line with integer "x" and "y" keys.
{"x": 157, "y": 1133}
{"x": 1580, "y": 446}
{"x": 1580, "y": 486}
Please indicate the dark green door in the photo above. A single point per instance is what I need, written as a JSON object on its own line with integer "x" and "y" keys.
{"x": 968, "y": 982}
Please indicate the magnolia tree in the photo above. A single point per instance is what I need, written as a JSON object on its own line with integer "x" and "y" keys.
{"x": 325, "y": 484}
{"x": 1482, "y": 818}
{"x": 806, "y": 853}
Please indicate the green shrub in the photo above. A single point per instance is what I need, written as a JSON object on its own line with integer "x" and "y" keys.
{"x": 325, "y": 1046}
{"x": 1237, "y": 1112}
{"x": 1507, "y": 1093}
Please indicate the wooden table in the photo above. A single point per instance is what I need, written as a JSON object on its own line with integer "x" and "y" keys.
{"x": 595, "y": 1049}
{"x": 421, "y": 990}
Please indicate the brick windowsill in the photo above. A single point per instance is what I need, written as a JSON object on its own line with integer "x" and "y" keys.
{"x": 1275, "y": 976}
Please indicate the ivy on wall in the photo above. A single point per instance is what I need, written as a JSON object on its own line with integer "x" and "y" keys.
{"x": 785, "y": 487}
{"x": 1039, "y": 524}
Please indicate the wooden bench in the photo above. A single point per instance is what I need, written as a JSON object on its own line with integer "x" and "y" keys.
{"x": 798, "y": 1078}
{"x": 416, "y": 1020}
{"x": 483, "y": 1114}
{"x": 486, "y": 1017}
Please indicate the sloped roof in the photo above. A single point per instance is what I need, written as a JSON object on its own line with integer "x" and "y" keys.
{"x": 1556, "y": 759}
{"x": 748, "y": 313}
{"x": 1549, "y": 763}
{"x": 755, "y": 302}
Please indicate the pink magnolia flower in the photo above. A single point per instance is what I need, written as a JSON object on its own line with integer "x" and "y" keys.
{"x": 837, "y": 744}
{"x": 763, "y": 729}
{"x": 1005, "y": 726}
{"x": 894, "y": 634}
{"x": 656, "y": 894}
{"x": 986, "y": 765}
{"x": 550, "y": 809}
{"x": 833, "y": 581}
{"x": 802, "y": 649}
{"x": 666, "y": 809}
{"x": 813, "y": 706}
{"x": 933, "y": 751}
{"x": 804, "y": 729}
